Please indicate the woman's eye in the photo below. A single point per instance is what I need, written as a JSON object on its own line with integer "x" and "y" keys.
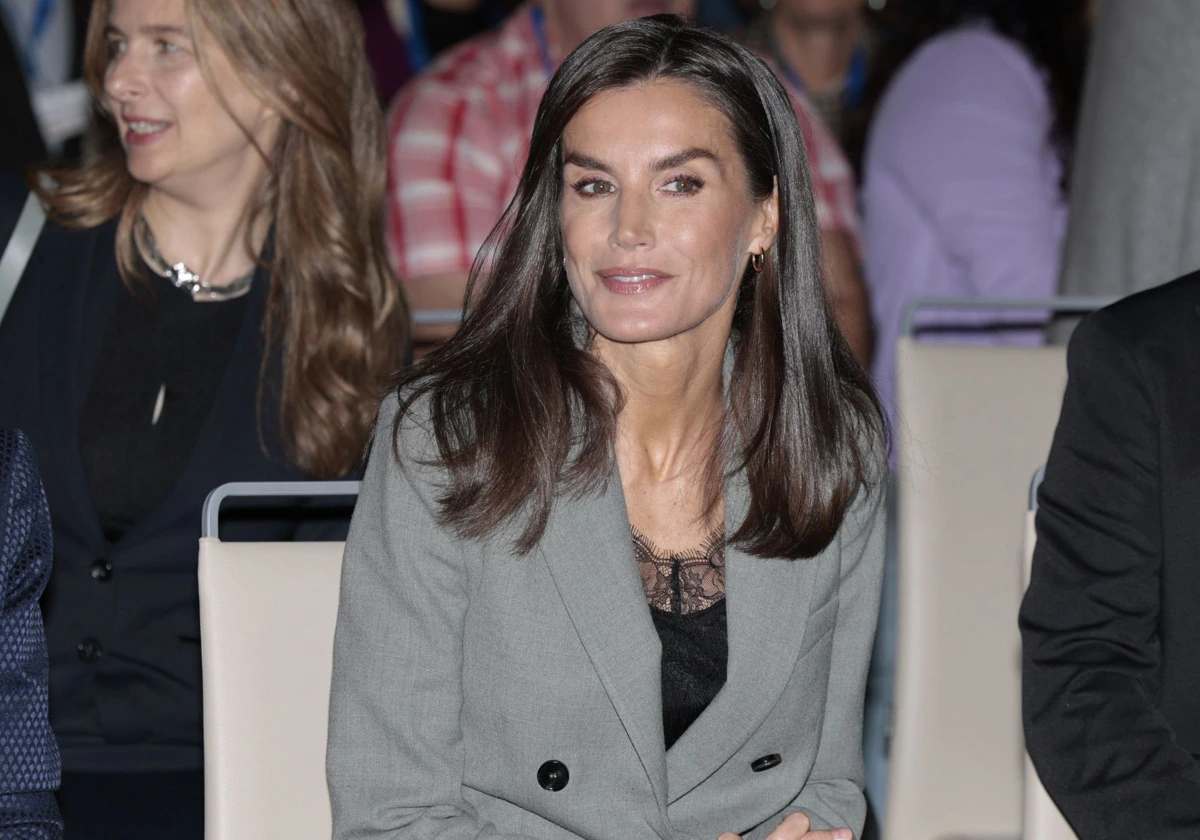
{"x": 168, "y": 47}
{"x": 684, "y": 184}
{"x": 115, "y": 47}
{"x": 593, "y": 186}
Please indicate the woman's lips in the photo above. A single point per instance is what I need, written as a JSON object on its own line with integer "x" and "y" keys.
{"x": 632, "y": 281}
{"x": 140, "y": 131}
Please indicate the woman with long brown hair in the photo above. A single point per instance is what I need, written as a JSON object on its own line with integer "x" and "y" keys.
{"x": 209, "y": 302}
{"x": 615, "y": 565}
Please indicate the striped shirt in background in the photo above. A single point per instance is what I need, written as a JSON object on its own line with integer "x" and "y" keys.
{"x": 458, "y": 136}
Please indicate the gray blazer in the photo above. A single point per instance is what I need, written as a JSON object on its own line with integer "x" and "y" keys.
{"x": 461, "y": 669}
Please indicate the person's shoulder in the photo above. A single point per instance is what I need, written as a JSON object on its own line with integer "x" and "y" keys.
{"x": 404, "y": 430}
{"x": 970, "y": 65}
{"x": 1159, "y": 316}
{"x": 972, "y": 48}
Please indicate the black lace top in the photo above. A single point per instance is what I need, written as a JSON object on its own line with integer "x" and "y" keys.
{"x": 686, "y": 593}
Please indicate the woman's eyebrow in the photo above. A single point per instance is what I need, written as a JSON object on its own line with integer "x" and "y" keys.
{"x": 151, "y": 29}
{"x": 686, "y": 156}
{"x": 669, "y": 162}
{"x": 586, "y": 162}
{"x": 163, "y": 29}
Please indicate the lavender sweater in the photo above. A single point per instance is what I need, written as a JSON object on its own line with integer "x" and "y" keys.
{"x": 962, "y": 193}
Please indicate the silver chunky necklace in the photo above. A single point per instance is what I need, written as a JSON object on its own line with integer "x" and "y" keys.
{"x": 180, "y": 275}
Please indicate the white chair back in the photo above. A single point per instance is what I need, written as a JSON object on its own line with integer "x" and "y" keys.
{"x": 267, "y": 617}
{"x": 973, "y": 423}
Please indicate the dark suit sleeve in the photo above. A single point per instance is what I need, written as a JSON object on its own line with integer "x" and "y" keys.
{"x": 1089, "y": 621}
{"x": 29, "y": 762}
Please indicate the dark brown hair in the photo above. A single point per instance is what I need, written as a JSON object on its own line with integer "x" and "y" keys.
{"x": 335, "y": 307}
{"x": 521, "y": 411}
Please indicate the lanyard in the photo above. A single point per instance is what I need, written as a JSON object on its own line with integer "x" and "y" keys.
{"x": 539, "y": 33}
{"x": 418, "y": 50}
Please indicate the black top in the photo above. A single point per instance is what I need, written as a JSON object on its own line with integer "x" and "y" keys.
{"x": 1109, "y": 624}
{"x": 686, "y": 592}
{"x": 156, "y": 377}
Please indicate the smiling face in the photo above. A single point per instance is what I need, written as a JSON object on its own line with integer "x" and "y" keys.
{"x": 658, "y": 221}
{"x": 177, "y": 135}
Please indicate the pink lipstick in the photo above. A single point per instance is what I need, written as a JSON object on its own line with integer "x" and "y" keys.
{"x": 632, "y": 280}
{"x": 139, "y": 130}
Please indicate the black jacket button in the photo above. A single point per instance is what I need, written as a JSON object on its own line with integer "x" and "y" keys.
{"x": 89, "y": 649}
{"x": 766, "y": 762}
{"x": 553, "y": 776}
{"x": 102, "y": 571}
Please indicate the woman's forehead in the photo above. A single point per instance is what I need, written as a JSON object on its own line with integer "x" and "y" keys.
{"x": 649, "y": 116}
{"x": 147, "y": 13}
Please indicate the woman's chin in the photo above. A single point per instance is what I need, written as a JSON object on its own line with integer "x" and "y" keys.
{"x": 145, "y": 173}
{"x": 630, "y": 331}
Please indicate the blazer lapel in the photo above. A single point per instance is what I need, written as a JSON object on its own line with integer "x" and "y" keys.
{"x": 69, "y": 350}
{"x": 768, "y": 602}
{"x": 588, "y": 549}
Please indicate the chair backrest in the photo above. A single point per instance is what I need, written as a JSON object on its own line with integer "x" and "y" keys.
{"x": 973, "y": 424}
{"x": 267, "y": 616}
{"x": 1042, "y": 820}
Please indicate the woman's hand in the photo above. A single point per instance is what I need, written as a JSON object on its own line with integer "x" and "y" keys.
{"x": 795, "y": 826}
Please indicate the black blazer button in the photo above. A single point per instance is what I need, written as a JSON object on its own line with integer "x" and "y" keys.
{"x": 102, "y": 571}
{"x": 553, "y": 776}
{"x": 766, "y": 762}
{"x": 89, "y": 650}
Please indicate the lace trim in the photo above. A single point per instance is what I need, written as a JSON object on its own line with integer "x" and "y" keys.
{"x": 682, "y": 582}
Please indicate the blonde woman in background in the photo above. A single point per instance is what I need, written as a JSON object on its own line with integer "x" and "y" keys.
{"x": 209, "y": 302}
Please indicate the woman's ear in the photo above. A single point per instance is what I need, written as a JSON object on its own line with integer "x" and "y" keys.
{"x": 766, "y": 223}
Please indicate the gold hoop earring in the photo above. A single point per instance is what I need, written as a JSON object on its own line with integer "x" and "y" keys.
{"x": 757, "y": 261}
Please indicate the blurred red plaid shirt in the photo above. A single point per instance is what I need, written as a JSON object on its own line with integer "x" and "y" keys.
{"x": 458, "y": 136}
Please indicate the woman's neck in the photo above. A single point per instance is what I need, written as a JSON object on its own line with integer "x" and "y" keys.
{"x": 208, "y": 237}
{"x": 674, "y": 405}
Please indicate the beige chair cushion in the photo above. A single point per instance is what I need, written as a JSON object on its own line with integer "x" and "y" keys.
{"x": 267, "y": 616}
{"x": 974, "y": 423}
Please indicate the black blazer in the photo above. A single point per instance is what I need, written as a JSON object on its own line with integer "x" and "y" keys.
{"x": 122, "y": 621}
{"x": 1111, "y": 621}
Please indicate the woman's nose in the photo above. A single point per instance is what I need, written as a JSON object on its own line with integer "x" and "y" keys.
{"x": 125, "y": 80}
{"x": 633, "y": 225}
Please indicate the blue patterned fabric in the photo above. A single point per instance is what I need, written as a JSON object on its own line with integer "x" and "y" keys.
{"x": 29, "y": 763}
